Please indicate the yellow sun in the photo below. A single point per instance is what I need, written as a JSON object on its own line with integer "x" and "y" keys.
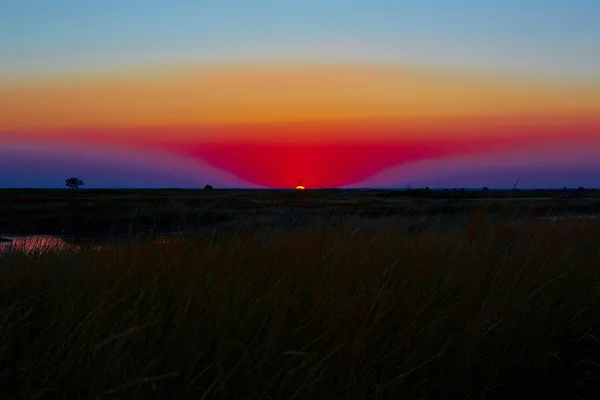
{"x": 300, "y": 187}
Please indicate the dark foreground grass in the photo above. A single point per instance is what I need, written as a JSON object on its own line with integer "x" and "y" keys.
{"x": 509, "y": 311}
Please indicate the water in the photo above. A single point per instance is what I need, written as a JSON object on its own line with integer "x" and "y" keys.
{"x": 32, "y": 243}
{"x": 37, "y": 243}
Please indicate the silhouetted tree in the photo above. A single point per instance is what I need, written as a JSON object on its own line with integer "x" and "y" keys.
{"x": 485, "y": 189}
{"x": 208, "y": 187}
{"x": 73, "y": 182}
{"x": 581, "y": 189}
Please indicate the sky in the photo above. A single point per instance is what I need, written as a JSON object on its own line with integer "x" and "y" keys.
{"x": 336, "y": 93}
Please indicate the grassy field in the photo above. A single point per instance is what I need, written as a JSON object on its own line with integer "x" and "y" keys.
{"x": 494, "y": 308}
{"x": 109, "y": 212}
{"x": 372, "y": 294}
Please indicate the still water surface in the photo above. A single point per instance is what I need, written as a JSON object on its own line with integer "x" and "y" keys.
{"x": 32, "y": 243}
{"x": 36, "y": 243}
{"x": 39, "y": 243}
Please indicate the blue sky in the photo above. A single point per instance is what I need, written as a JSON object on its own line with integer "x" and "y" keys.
{"x": 557, "y": 36}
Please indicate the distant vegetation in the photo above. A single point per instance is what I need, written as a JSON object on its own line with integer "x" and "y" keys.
{"x": 73, "y": 183}
{"x": 499, "y": 309}
{"x": 106, "y": 212}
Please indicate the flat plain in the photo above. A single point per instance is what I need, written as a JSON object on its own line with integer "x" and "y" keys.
{"x": 104, "y": 212}
{"x": 368, "y": 294}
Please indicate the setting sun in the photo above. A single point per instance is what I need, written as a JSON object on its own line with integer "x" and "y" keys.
{"x": 300, "y": 187}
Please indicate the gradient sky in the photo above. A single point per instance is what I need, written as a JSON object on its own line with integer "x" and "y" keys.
{"x": 338, "y": 93}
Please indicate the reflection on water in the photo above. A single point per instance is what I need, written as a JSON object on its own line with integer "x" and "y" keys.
{"x": 40, "y": 243}
{"x": 33, "y": 243}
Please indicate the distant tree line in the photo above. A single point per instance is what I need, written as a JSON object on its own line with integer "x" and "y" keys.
{"x": 75, "y": 183}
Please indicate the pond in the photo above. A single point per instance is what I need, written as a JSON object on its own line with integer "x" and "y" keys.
{"x": 35, "y": 243}
{"x": 31, "y": 243}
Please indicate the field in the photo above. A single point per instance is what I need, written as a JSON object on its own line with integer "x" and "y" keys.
{"x": 284, "y": 295}
{"x": 108, "y": 212}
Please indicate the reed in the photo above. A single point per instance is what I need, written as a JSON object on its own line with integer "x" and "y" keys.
{"x": 490, "y": 310}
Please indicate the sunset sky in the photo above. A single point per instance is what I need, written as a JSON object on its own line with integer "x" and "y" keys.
{"x": 338, "y": 93}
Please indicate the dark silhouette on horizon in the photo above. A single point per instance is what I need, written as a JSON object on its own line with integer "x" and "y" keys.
{"x": 73, "y": 182}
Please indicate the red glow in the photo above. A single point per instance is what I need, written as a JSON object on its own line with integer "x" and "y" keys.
{"x": 321, "y": 165}
{"x": 331, "y": 164}
{"x": 277, "y": 155}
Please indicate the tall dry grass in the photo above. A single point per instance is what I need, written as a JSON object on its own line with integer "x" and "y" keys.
{"x": 486, "y": 311}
